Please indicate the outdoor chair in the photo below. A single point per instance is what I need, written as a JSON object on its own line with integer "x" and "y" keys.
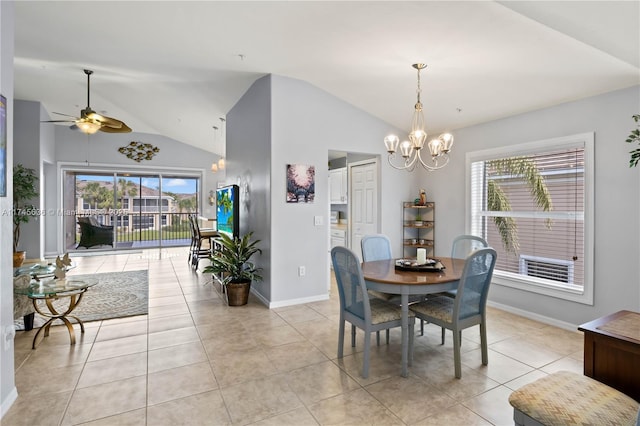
{"x": 93, "y": 233}
{"x": 468, "y": 308}
{"x": 369, "y": 314}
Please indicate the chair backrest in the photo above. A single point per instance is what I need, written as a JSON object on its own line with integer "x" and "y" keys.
{"x": 375, "y": 247}
{"x": 191, "y": 227}
{"x": 463, "y": 245}
{"x": 354, "y": 298}
{"x": 195, "y": 228}
{"x": 473, "y": 289}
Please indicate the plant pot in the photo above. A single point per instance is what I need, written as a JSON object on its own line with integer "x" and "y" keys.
{"x": 18, "y": 258}
{"x": 238, "y": 293}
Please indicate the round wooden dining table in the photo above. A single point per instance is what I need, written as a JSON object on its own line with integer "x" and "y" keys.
{"x": 383, "y": 276}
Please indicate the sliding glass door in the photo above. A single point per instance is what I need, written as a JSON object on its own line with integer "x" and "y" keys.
{"x": 137, "y": 210}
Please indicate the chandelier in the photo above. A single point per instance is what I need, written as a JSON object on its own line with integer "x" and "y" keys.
{"x": 412, "y": 149}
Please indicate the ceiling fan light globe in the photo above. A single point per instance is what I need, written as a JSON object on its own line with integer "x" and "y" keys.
{"x": 88, "y": 127}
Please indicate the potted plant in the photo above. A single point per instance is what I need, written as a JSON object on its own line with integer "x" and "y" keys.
{"x": 418, "y": 220}
{"x": 24, "y": 189}
{"x": 232, "y": 265}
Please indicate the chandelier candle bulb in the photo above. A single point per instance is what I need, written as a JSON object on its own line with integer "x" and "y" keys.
{"x": 422, "y": 256}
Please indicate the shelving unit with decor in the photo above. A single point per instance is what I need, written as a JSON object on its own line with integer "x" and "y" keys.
{"x": 418, "y": 223}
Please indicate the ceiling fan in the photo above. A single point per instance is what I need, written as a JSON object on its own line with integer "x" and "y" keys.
{"x": 90, "y": 121}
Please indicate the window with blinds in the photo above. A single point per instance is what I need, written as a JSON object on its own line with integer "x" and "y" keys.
{"x": 529, "y": 203}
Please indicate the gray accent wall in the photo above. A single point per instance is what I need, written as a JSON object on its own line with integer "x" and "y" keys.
{"x": 248, "y": 150}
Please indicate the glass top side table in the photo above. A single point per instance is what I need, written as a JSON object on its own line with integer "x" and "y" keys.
{"x": 38, "y": 270}
{"x": 50, "y": 290}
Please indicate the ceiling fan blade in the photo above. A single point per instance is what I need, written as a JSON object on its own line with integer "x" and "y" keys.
{"x": 58, "y": 121}
{"x": 120, "y": 128}
{"x": 67, "y": 115}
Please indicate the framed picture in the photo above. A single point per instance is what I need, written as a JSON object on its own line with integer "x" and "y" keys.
{"x": 3, "y": 146}
{"x": 301, "y": 186}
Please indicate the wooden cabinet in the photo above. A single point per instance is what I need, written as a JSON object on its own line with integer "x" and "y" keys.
{"x": 338, "y": 186}
{"x": 338, "y": 238}
{"x": 418, "y": 228}
{"x": 612, "y": 351}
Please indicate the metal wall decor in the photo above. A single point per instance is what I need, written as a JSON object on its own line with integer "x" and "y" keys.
{"x": 139, "y": 151}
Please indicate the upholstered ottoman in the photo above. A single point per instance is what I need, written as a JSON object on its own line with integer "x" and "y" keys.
{"x": 566, "y": 398}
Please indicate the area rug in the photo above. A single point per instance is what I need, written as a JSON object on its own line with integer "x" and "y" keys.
{"x": 117, "y": 295}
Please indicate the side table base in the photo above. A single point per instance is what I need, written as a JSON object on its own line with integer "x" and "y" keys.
{"x": 53, "y": 315}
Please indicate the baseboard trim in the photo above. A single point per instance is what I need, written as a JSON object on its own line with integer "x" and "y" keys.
{"x": 291, "y": 302}
{"x": 534, "y": 316}
{"x": 8, "y": 402}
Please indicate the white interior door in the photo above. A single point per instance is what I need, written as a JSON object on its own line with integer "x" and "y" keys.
{"x": 363, "y": 201}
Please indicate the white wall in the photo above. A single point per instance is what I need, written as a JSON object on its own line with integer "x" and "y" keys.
{"x": 8, "y": 391}
{"x": 305, "y": 123}
{"x": 617, "y": 208}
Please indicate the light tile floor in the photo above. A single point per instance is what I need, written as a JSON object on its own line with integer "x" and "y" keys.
{"x": 193, "y": 360}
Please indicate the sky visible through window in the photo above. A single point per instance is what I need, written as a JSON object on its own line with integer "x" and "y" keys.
{"x": 175, "y": 185}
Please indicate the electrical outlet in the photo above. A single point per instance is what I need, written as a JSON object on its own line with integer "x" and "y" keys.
{"x": 317, "y": 220}
{"x": 301, "y": 271}
{"x": 8, "y": 336}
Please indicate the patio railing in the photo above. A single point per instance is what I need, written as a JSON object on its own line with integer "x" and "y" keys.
{"x": 146, "y": 230}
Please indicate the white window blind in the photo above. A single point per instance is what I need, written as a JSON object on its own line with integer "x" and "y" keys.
{"x": 529, "y": 205}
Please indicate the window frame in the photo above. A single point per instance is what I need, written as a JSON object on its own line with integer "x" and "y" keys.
{"x": 572, "y": 293}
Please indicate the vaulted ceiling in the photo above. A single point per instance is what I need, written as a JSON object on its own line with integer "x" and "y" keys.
{"x": 175, "y": 67}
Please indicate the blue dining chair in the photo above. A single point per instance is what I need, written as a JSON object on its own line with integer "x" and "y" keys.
{"x": 378, "y": 247}
{"x": 468, "y": 308}
{"x": 369, "y": 314}
{"x": 375, "y": 247}
{"x": 465, "y": 244}
{"x": 462, "y": 246}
